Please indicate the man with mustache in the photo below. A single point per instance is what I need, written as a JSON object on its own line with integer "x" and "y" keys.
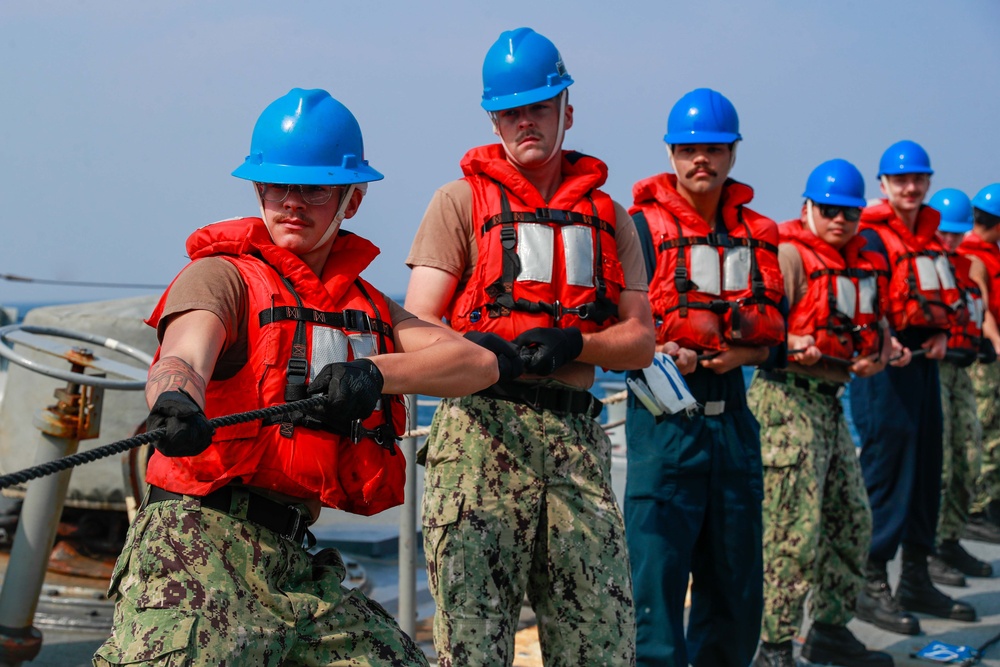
{"x": 271, "y": 310}
{"x": 528, "y": 257}
{"x": 817, "y": 522}
{"x": 693, "y": 496}
{"x": 898, "y": 413}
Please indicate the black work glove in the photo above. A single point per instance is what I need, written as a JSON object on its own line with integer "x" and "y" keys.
{"x": 188, "y": 431}
{"x": 545, "y": 349}
{"x": 352, "y": 390}
{"x": 508, "y": 358}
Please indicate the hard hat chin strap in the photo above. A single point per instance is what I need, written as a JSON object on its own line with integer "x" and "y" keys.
{"x": 338, "y": 218}
{"x": 809, "y": 217}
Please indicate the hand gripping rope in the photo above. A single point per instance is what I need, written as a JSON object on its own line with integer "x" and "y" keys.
{"x": 52, "y": 467}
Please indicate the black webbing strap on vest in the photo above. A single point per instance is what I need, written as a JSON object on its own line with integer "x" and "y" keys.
{"x": 837, "y": 323}
{"x": 349, "y": 320}
{"x": 501, "y": 292}
{"x": 720, "y": 238}
{"x": 298, "y": 364}
{"x": 911, "y": 281}
{"x": 385, "y": 433}
{"x": 847, "y": 326}
{"x": 297, "y": 370}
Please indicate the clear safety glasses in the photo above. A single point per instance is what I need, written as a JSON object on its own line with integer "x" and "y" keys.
{"x": 315, "y": 195}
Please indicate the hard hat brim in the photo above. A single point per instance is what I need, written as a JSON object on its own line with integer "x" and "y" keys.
{"x": 296, "y": 175}
{"x": 504, "y": 102}
{"x": 906, "y": 170}
{"x": 954, "y": 227}
{"x": 837, "y": 200}
{"x": 682, "y": 138}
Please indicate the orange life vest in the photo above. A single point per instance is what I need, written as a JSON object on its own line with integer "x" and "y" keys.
{"x": 989, "y": 254}
{"x": 922, "y": 287}
{"x": 710, "y": 288}
{"x": 966, "y": 339}
{"x": 846, "y": 297}
{"x": 540, "y": 264}
{"x": 298, "y": 322}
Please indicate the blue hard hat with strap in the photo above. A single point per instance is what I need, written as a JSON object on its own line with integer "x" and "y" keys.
{"x": 836, "y": 182}
{"x": 522, "y": 67}
{"x": 307, "y": 137}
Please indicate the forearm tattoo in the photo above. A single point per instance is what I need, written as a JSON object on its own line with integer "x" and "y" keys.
{"x": 171, "y": 374}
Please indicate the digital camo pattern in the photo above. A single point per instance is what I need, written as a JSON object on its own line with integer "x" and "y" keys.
{"x": 817, "y": 520}
{"x": 199, "y": 587}
{"x": 986, "y": 380}
{"x": 962, "y": 441}
{"x": 517, "y": 500}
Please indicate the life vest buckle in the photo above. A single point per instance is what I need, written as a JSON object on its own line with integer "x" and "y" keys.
{"x": 508, "y": 237}
{"x": 298, "y": 370}
{"x": 551, "y": 215}
{"x": 558, "y": 310}
{"x": 357, "y": 320}
{"x": 383, "y": 435}
{"x": 720, "y": 307}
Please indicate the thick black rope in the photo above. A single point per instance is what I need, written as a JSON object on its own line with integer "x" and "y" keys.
{"x": 113, "y": 448}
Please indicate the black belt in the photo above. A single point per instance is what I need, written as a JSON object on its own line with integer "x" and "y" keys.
{"x": 540, "y": 397}
{"x": 825, "y": 387}
{"x": 289, "y": 521}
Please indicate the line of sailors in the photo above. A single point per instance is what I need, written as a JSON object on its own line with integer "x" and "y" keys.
{"x": 897, "y": 295}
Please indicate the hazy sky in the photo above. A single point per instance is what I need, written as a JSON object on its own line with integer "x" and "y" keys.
{"x": 121, "y": 121}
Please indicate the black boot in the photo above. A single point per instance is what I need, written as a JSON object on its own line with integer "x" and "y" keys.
{"x": 774, "y": 655}
{"x": 877, "y": 606}
{"x": 943, "y": 573}
{"x": 835, "y": 645}
{"x": 953, "y": 553}
{"x": 982, "y": 529}
{"x": 916, "y": 592}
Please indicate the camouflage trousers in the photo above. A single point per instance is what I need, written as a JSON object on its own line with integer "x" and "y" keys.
{"x": 962, "y": 440}
{"x": 986, "y": 380}
{"x": 817, "y": 521}
{"x": 200, "y": 587}
{"x": 520, "y": 501}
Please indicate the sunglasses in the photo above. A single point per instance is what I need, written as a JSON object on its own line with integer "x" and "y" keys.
{"x": 830, "y": 211}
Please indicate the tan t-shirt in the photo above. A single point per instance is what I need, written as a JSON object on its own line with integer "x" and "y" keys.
{"x": 796, "y": 287}
{"x": 215, "y": 285}
{"x": 446, "y": 238}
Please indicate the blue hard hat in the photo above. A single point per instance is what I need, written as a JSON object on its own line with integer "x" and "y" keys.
{"x": 306, "y": 137}
{"x": 988, "y": 199}
{"x": 836, "y": 182}
{"x": 703, "y": 116}
{"x": 955, "y": 209}
{"x": 522, "y": 67}
{"x": 904, "y": 157}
